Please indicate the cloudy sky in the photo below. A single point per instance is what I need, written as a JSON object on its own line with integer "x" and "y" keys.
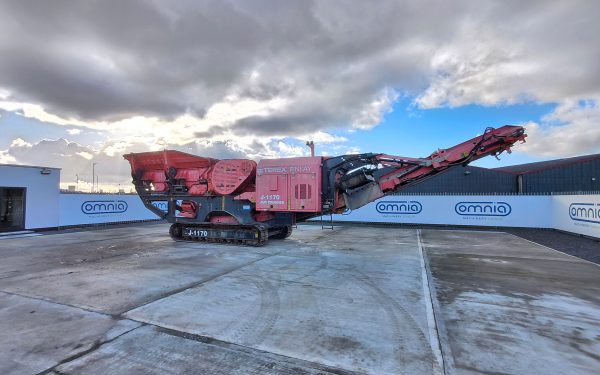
{"x": 84, "y": 82}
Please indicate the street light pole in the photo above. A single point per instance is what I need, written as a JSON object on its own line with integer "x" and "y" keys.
{"x": 76, "y": 182}
{"x": 93, "y": 175}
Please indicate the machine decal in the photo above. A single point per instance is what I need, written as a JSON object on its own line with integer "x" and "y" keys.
{"x": 285, "y": 170}
{"x": 192, "y": 232}
{"x": 271, "y": 199}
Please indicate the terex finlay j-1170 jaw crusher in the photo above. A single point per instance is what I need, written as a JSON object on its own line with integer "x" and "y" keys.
{"x": 241, "y": 201}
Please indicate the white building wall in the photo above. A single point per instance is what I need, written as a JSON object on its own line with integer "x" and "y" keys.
{"x": 41, "y": 195}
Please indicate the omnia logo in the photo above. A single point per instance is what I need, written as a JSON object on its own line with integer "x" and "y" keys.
{"x": 399, "y": 207}
{"x": 103, "y": 207}
{"x": 588, "y": 212}
{"x": 483, "y": 208}
{"x": 161, "y": 205}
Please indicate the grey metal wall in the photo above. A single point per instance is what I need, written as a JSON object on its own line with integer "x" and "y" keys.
{"x": 578, "y": 177}
{"x": 466, "y": 180}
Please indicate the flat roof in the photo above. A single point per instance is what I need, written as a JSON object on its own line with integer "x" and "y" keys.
{"x": 27, "y": 166}
{"x": 548, "y": 164}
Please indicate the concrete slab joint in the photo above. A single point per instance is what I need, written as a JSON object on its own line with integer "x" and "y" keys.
{"x": 356, "y": 300}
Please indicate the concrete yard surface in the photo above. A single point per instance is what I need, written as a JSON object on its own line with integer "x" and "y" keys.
{"x": 354, "y": 300}
{"x": 335, "y": 301}
{"x": 512, "y": 306}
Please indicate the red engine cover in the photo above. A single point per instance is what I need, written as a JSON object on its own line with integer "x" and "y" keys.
{"x": 232, "y": 176}
{"x": 289, "y": 184}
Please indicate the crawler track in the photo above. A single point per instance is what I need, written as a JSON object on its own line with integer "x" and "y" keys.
{"x": 249, "y": 235}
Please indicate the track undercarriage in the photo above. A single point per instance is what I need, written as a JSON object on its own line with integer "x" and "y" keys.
{"x": 249, "y": 235}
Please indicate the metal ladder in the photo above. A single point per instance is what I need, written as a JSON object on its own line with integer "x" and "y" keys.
{"x": 329, "y": 224}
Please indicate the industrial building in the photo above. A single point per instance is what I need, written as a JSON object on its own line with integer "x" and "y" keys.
{"x": 579, "y": 175}
{"x": 29, "y": 197}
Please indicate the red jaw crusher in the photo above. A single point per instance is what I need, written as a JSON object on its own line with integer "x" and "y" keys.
{"x": 241, "y": 201}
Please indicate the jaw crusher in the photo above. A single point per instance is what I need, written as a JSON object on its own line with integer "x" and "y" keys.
{"x": 244, "y": 202}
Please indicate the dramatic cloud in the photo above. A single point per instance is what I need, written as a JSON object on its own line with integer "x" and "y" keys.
{"x": 6, "y": 158}
{"x": 114, "y": 59}
{"x": 248, "y": 76}
{"x": 76, "y": 160}
{"x": 571, "y": 129}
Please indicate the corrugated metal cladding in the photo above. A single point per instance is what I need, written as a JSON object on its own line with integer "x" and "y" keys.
{"x": 581, "y": 176}
{"x": 570, "y": 175}
{"x": 466, "y": 180}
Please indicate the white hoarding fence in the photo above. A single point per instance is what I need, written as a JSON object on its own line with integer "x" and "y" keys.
{"x": 577, "y": 213}
{"x": 76, "y": 209}
{"x": 572, "y": 213}
{"x": 495, "y": 211}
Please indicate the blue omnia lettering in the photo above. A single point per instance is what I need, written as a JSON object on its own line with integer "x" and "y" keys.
{"x": 399, "y": 207}
{"x": 161, "y": 205}
{"x": 588, "y": 212}
{"x": 103, "y": 207}
{"x": 483, "y": 209}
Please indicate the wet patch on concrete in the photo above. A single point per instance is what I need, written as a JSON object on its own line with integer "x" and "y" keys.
{"x": 511, "y": 306}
